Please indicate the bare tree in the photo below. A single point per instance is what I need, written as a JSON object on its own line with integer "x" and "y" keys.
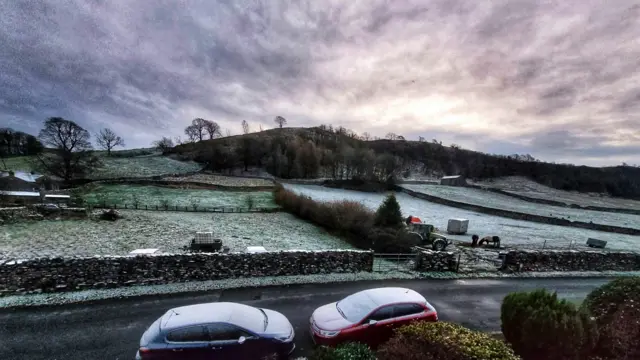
{"x": 212, "y": 128}
{"x": 196, "y": 130}
{"x": 178, "y": 140}
{"x": 228, "y": 132}
{"x": 421, "y": 138}
{"x": 107, "y": 140}
{"x": 261, "y": 129}
{"x": 391, "y": 136}
{"x": 72, "y": 154}
{"x": 163, "y": 144}
{"x": 280, "y": 121}
{"x": 366, "y": 136}
{"x": 245, "y": 127}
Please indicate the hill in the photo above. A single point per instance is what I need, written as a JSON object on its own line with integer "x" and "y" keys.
{"x": 342, "y": 154}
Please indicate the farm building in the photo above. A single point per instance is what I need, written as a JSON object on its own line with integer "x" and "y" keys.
{"x": 32, "y": 197}
{"x": 24, "y": 181}
{"x": 455, "y": 180}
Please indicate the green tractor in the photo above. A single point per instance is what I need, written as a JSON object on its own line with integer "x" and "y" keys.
{"x": 427, "y": 236}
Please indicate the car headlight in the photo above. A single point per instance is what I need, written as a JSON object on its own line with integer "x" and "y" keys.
{"x": 327, "y": 333}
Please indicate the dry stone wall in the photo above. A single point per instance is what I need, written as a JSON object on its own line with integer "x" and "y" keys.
{"x": 67, "y": 274}
{"x": 570, "y": 260}
{"x": 428, "y": 261}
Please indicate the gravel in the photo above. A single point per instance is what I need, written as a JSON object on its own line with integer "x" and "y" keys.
{"x": 168, "y": 231}
{"x": 119, "y": 293}
{"x": 512, "y": 232}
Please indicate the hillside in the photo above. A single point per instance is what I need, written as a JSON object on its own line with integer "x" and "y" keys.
{"x": 341, "y": 154}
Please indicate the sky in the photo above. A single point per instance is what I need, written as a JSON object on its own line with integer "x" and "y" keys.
{"x": 559, "y": 80}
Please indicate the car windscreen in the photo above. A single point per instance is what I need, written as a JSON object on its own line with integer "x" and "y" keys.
{"x": 355, "y": 307}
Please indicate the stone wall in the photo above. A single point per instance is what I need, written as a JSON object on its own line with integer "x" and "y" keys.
{"x": 67, "y": 274}
{"x": 570, "y": 260}
{"x": 521, "y": 216}
{"x": 429, "y": 260}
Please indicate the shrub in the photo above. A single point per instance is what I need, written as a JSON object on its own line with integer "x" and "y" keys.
{"x": 443, "y": 341}
{"x": 388, "y": 214}
{"x": 349, "y": 351}
{"x": 540, "y": 326}
{"x": 616, "y": 309}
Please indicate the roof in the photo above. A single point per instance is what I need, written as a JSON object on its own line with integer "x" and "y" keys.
{"x": 57, "y": 196}
{"x": 19, "y": 193}
{"x": 452, "y": 177}
{"x": 22, "y": 175}
{"x": 245, "y": 316}
{"x": 388, "y": 295}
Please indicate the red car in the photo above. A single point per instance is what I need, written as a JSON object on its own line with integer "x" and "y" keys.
{"x": 369, "y": 316}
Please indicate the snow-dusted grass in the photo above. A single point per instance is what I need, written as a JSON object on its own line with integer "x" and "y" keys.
{"x": 526, "y": 187}
{"x": 15, "y": 163}
{"x": 499, "y": 201}
{"x": 154, "y": 195}
{"x": 229, "y": 181}
{"x": 141, "y": 166}
{"x": 168, "y": 231}
{"x": 512, "y": 232}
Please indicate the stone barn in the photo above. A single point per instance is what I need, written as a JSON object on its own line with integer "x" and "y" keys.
{"x": 455, "y": 180}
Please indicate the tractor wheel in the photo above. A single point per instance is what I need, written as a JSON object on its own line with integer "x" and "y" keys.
{"x": 439, "y": 245}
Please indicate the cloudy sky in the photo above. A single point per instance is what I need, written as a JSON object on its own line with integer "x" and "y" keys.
{"x": 557, "y": 79}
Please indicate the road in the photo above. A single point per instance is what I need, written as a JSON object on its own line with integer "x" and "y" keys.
{"x": 111, "y": 330}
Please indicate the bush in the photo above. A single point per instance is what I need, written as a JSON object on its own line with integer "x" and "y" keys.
{"x": 349, "y": 351}
{"x": 443, "y": 341}
{"x": 388, "y": 214}
{"x": 616, "y": 309}
{"x": 539, "y": 326}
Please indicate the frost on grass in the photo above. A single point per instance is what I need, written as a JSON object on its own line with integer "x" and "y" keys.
{"x": 512, "y": 232}
{"x": 142, "y": 166}
{"x": 168, "y": 231}
{"x": 230, "y": 181}
{"x": 499, "y": 201}
{"x": 184, "y": 198}
{"x": 523, "y": 186}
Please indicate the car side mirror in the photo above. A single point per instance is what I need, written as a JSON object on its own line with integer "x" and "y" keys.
{"x": 372, "y": 322}
{"x": 242, "y": 339}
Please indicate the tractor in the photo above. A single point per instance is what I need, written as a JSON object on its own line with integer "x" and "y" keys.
{"x": 427, "y": 235}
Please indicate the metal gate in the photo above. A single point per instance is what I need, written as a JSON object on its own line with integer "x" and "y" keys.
{"x": 394, "y": 262}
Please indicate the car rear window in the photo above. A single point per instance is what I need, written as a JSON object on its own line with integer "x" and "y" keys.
{"x": 406, "y": 309}
{"x": 189, "y": 334}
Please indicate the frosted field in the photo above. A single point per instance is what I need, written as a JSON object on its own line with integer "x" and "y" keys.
{"x": 229, "y": 181}
{"x": 142, "y": 166}
{"x": 168, "y": 231}
{"x": 154, "y": 195}
{"x": 512, "y": 232}
{"x": 499, "y": 201}
{"x": 526, "y": 187}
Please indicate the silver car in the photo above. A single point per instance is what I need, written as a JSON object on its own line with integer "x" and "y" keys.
{"x": 220, "y": 330}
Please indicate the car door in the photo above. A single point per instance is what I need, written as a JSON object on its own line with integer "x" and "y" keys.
{"x": 225, "y": 342}
{"x": 404, "y": 314}
{"x": 378, "y": 332}
{"x": 190, "y": 342}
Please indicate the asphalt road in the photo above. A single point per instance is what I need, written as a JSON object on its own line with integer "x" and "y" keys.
{"x": 111, "y": 330}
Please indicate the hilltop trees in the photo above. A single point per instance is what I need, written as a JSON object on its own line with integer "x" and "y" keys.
{"x": 200, "y": 128}
{"x": 107, "y": 140}
{"x": 163, "y": 144}
{"x": 280, "y": 121}
{"x": 14, "y": 143}
{"x": 72, "y": 153}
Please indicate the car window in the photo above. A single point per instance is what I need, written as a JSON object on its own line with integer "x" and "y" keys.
{"x": 226, "y": 332}
{"x": 400, "y": 310}
{"x": 382, "y": 314}
{"x": 189, "y": 334}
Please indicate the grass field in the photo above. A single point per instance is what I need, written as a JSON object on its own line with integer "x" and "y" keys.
{"x": 499, "y": 201}
{"x": 168, "y": 231}
{"x": 155, "y": 195}
{"x": 526, "y": 187}
{"x": 115, "y": 167}
{"x": 513, "y": 232}
{"x": 230, "y": 181}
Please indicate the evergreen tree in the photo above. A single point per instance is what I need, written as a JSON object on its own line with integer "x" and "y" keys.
{"x": 388, "y": 214}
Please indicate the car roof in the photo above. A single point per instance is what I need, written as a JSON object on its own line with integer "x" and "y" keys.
{"x": 390, "y": 295}
{"x": 241, "y": 315}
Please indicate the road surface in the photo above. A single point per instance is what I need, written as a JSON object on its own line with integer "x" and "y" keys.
{"x": 111, "y": 330}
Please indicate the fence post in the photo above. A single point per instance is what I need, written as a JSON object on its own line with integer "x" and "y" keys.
{"x": 146, "y": 207}
{"x": 125, "y": 206}
{"x": 458, "y": 263}
{"x": 544, "y": 244}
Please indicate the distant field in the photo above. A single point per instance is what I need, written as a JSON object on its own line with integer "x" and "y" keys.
{"x": 513, "y": 232}
{"x": 154, "y": 195}
{"x": 499, "y": 201}
{"x": 230, "y": 181}
{"x": 168, "y": 231}
{"x": 114, "y": 167}
{"x": 523, "y": 186}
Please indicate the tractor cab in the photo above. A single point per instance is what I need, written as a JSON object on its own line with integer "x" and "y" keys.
{"x": 427, "y": 234}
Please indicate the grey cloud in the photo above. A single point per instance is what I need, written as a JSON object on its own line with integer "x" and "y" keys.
{"x": 561, "y": 69}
